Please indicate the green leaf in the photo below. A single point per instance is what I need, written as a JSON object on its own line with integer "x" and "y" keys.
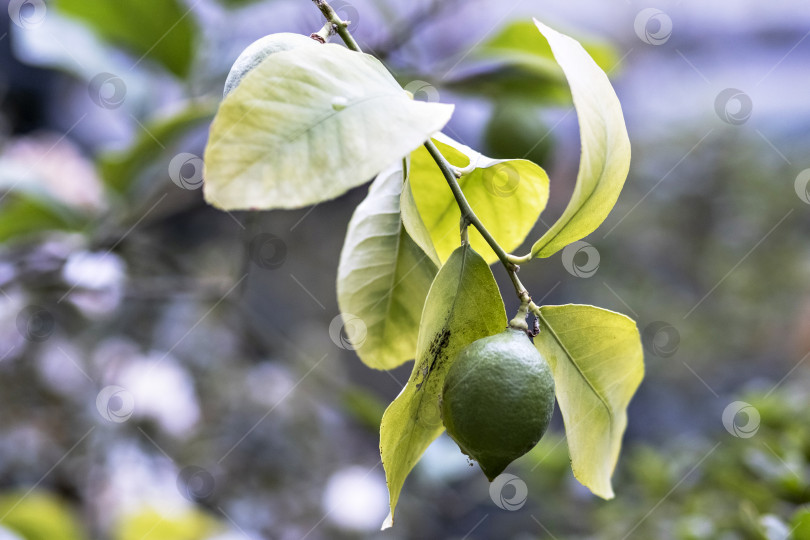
{"x": 520, "y": 40}
{"x": 364, "y": 406}
{"x": 383, "y": 276}
{"x": 503, "y": 79}
{"x": 800, "y": 523}
{"x": 597, "y": 362}
{"x": 161, "y": 30}
{"x": 121, "y": 169}
{"x": 414, "y": 225}
{"x": 156, "y": 524}
{"x": 605, "y": 153}
{"x": 307, "y": 125}
{"x": 39, "y": 515}
{"x": 506, "y": 195}
{"x": 27, "y": 207}
{"x": 518, "y": 63}
{"x": 22, "y": 215}
{"x": 463, "y": 305}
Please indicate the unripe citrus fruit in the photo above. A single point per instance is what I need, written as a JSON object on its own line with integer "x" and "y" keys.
{"x": 497, "y": 399}
{"x": 260, "y": 49}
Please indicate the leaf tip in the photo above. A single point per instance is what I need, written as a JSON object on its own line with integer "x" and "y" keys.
{"x": 601, "y": 488}
{"x": 389, "y": 521}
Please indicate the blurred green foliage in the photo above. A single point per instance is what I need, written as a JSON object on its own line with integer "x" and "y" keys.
{"x": 26, "y": 214}
{"x": 39, "y": 515}
{"x": 156, "y": 525}
{"x": 122, "y": 169}
{"x": 161, "y": 30}
{"x": 697, "y": 489}
{"x": 517, "y": 63}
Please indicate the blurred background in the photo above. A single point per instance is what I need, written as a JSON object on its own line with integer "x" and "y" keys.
{"x": 167, "y": 370}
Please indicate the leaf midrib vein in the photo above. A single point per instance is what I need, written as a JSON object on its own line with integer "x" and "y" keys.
{"x": 578, "y": 369}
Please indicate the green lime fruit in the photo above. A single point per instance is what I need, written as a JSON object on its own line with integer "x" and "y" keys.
{"x": 260, "y": 49}
{"x": 497, "y": 399}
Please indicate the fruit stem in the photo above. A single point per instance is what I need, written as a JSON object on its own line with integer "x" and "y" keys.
{"x": 340, "y": 26}
{"x": 465, "y": 232}
{"x": 510, "y": 262}
{"x": 519, "y": 322}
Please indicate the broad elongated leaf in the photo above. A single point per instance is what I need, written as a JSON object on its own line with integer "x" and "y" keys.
{"x": 414, "y": 225}
{"x": 597, "y": 362}
{"x": 307, "y": 125}
{"x": 517, "y": 63}
{"x": 605, "y": 153}
{"x": 463, "y": 305}
{"x": 506, "y": 195}
{"x": 160, "y": 30}
{"x": 120, "y": 169}
{"x": 151, "y": 523}
{"x": 29, "y": 205}
{"x": 21, "y": 216}
{"x": 383, "y": 276}
{"x": 519, "y": 41}
{"x": 39, "y": 515}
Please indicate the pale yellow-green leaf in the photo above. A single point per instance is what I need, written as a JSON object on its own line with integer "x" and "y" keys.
{"x": 463, "y": 305}
{"x": 40, "y": 515}
{"x": 308, "y": 124}
{"x": 153, "y": 524}
{"x": 383, "y": 276}
{"x": 605, "y": 146}
{"x": 506, "y": 195}
{"x": 597, "y": 361}
{"x": 414, "y": 225}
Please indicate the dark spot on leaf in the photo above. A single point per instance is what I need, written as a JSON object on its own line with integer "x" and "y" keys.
{"x": 436, "y": 353}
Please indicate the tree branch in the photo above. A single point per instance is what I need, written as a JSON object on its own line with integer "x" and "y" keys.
{"x": 341, "y": 26}
{"x": 449, "y": 172}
